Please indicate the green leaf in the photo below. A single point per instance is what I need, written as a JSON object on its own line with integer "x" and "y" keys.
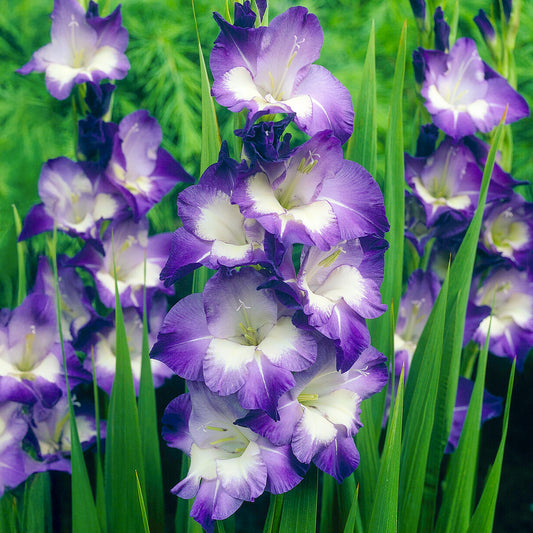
{"x": 21, "y": 260}
{"x": 149, "y": 432}
{"x": 123, "y": 440}
{"x": 300, "y": 505}
{"x": 142, "y": 505}
{"x": 328, "y": 514}
{"x": 84, "y": 515}
{"x": 37, "y": 507}
{"x": 8, "y": 513}
{"x": 362, "y": 146}
{"x": 459, "y": 288}
{"x": 455, "y": 511}
{"x": 200, "y": 277}
{"x": 385, "y": 509}
{"x": 483, "y": 518}
{"x": 420, "y": 399}
{"x": 353, "y": 522}
{"x": 273, "y": 518}
{"x": 210, "y": 132}
{"x": 382, "y": 328}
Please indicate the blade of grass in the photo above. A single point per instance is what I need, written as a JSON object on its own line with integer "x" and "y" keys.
{"x": 37, "y": 509}
{"x": 420, "y": 400}
{"x": 142, "y": 505}
{"x": 328, "y": 510}
{"x": 84, "y": 515}
{"x": 455, "y": 511}
{"x": 123, "y": 441}
{"x": 273, "y": 518}
{"x": 21, "y": 254}
{"x": 210, "y": 131}
{"x": 362, "y": 146}
{"x": 8, "y": 513}
{"x": 459, "y": 288}
{"x": 100, "y": 486}
{"x": 483, "y": 518}
{"x": 149, "y": 432}
{"x": 385, "y": 510}
{"x": 300, "y": 505}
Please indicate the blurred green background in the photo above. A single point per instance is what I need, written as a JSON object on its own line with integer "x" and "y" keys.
{"x": 164, "y": 79}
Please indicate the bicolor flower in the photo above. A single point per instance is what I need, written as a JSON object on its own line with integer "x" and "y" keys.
{"x": 142, "y": 170}
{"x": 126, "y": 245}
{"x": 229, "y": 464}
{"x": 415, "y": 307}
{"x": 13, "y": 428}
{"x": 508, "y": 231}
{"x": 320, "y": 416}
{"x": 237, "y": 339}
{"x": 270, "y": 69}
{"x": 337, "y": 290}
{"x": 75, "y": 197}
{"x": 84, "y": 48}
{"x": 509, "y": 293}
{"x": 464, "y": 95}
{"x": 103, "y": 342}
{"x": 31, "y": 366}
{"x": 214, "y": 232}
{"x": 315, "y": 197}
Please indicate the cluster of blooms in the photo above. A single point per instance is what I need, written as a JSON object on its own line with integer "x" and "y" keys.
{"x": 464, "y": 96}
{"x": 275, "y": 350}
{"x": 101, "y": 200}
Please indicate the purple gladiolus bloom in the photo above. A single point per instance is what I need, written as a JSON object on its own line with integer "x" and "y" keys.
{"x": 485, "y": 27}
{"x": 492, "y": 407}
{"x": 13, "y": 428}
{"x": 84, "y": 48}
{"x": 464, "y": 95}
{"x": 229, "y": 464}
{"x": 415, "y": 307}
{"x": 127, "y": 245}
{"x": 237, "y": 339}
{"x": 509, "y": 292}
{"x": 139, "y": 167}
{"x": 337, "y": 290}
{"x": 508, "y": 231}
{"x": 321, "y": 414}
{"x": 30, "y": 354}
{"x": 270, "y": 68}
{"x": 315, "y": 197}
{"x": 448, "y": 180}
{"x": 76, "y": 197}
{"x": 103, "y": 342}
{"x": 214, "y": 232}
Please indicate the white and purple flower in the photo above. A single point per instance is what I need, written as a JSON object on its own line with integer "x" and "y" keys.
{"x": 229, "y": 464}
{"x": 320, "y": 416}
{"x": 315, "y": 197}
{"x": 463, "y": 94}
{"x": 237, "y": 339}
{"x": 84, "y": 48}
{"x": 142, "y": 170}
{"x": 270, "y": 68}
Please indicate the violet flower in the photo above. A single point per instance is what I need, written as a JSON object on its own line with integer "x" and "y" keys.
{"x": 142, "y": 170}
{"x": 270, "y": 68}
{"x": 315, "y": 197}
{"x": 237, "y": 339}
{"x": 508, "y": 231}
{"x": 509, "y": 293}
{"x": 13, "y": 428}
{"x": 102, "y": 342}
{"x": 214, "y": 231}
{"x": 337, "y": 290}
{"x": 127, "y": 245}
{"x": 75, "y": 197}
{"x": 320, "y": 416}
{"x": 464, "y": 95}
{"x": 229, "y": 464}
{"x": 84, "y": 48}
